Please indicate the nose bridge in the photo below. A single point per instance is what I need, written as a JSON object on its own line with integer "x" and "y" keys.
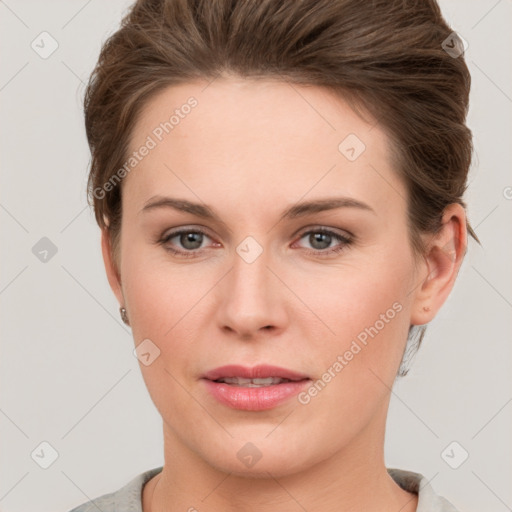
{"x": 250, "y": 300}
{"x": 250, "y": 276}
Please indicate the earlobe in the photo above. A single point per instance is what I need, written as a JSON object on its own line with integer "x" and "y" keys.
{"x": 111, "y": 269}
{"x": 445, "y": 253}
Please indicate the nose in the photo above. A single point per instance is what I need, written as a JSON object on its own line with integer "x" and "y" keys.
{"x": 251, "y": 300}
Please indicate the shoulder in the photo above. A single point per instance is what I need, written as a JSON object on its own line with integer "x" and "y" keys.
{"x": 428, "y": 500}
{"x": 127, "y": 499}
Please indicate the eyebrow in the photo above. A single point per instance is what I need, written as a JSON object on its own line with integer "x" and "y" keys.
{"x": 298, "y": 210}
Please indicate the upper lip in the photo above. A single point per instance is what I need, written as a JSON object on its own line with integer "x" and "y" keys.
{"x": 255, "y": 372}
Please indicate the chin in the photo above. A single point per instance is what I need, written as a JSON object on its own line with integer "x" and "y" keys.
{"x": 276, "y": 467}
{"x": 262, "y": 457}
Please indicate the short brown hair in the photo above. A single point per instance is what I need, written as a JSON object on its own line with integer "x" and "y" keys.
{"x": 386, "y": 57}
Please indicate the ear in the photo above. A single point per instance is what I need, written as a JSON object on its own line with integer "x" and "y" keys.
{"x": 113, "y": 275}
{"x": 445, "y": 253}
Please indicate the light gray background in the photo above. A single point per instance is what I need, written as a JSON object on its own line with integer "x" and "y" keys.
{"x": 68, "y": 375}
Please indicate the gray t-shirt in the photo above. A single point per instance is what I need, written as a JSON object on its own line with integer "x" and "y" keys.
{"x": 129, "y": 497}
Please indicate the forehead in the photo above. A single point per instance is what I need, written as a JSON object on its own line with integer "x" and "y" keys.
{"x": 258, "y": 138}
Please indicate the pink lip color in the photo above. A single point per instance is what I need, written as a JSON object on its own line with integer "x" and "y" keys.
{"x": 254, "y": 399}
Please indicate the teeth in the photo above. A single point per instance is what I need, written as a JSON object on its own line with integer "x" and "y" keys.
{"x": 252, "y": 383}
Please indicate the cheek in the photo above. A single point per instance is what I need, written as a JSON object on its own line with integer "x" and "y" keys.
{"x": 161, "y": 305}
{"x": 367, "y": 311}
{"x": 160, "y": 297}
{"x": 168, "y": 304}
{"x": 369, "y": 315}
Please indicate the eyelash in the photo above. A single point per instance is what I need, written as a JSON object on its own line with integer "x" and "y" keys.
{"x": 345, "y": 242}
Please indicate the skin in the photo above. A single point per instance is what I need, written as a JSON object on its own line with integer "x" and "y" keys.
{"x": 249, "y": 150}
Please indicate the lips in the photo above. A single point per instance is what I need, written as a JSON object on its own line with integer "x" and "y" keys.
{"x": 256, "y": 372}
{"x": 252, "y": 383}
{"x": 254, "y": 389}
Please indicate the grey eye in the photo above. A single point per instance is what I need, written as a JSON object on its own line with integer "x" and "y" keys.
{"x": 320, "y": 240}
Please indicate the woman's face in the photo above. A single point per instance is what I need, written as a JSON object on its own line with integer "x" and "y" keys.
{"x": 325, "y": 292}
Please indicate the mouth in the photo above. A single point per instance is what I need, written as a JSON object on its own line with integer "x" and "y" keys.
{"x": 255, "y": 373}
{"x": 254, "y": 389}
{"x": 252, "y": 383}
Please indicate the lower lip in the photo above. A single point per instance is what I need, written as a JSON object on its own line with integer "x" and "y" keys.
{"x": 254, "y": 399}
